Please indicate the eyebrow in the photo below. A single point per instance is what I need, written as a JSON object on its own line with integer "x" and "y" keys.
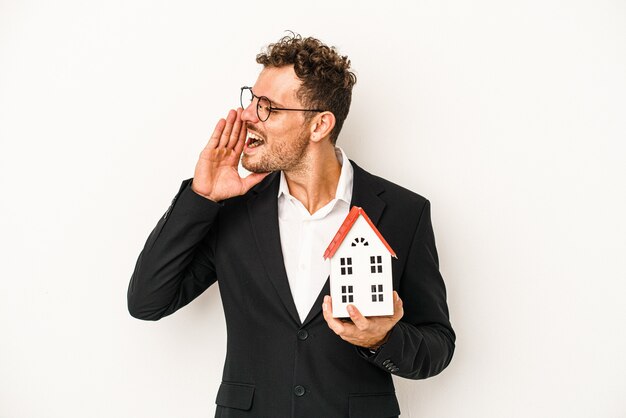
{"x": 275, "y": 103}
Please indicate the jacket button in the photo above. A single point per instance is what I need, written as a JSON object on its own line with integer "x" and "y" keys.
{"x": 303, "y": 335}
{"x": 299, "y": 390}
{"x": 386, "y": 362}
{"x": 395, "y": 369}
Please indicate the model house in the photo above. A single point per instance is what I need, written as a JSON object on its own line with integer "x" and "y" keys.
{"x": 360, "y": 267}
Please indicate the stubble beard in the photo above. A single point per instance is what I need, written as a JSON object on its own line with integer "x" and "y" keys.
{"x": 283, "y": 156}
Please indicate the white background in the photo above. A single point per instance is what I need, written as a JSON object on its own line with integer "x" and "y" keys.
{"x": 509, "y": 116}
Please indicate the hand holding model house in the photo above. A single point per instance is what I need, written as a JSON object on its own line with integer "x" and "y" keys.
{"x": 361, "y": 274}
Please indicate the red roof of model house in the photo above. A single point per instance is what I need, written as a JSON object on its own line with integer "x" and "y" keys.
{"x": 345, "y": 227}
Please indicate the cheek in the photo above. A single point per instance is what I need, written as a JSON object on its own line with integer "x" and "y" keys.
{"x": 274, "y": 135}
{"x": 284, "y": 130}
{"x": 287, "y": 124}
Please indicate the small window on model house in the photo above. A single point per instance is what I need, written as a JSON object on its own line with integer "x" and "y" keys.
{"x": 346, "y": 265}
{"x": 347, "y": 295}
{"x": 377, "y": 293}
{"x": 376, "y": 264}
{"x": 358, "y": 241}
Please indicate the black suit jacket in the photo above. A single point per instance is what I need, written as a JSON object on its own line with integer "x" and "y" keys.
{"x": 276, "y": 366}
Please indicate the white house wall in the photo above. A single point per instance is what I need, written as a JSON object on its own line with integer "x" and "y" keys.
{"x": 361, "y": 278}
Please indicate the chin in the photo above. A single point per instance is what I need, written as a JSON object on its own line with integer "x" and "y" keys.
{"x": 258, "y": 167}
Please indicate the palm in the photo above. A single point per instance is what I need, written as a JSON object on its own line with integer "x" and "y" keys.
{"x": 216, "y": 176}
{"x": 216, "y": 172}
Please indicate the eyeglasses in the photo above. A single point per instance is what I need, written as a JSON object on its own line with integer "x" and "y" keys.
{"x": 264, "y": 105}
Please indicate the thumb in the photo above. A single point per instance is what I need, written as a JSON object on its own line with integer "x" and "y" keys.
{"x": 398, "y": 307}
{"x": 252, "y": 180}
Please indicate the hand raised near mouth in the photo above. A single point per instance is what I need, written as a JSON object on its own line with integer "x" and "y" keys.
{"x": 216, "y": 176}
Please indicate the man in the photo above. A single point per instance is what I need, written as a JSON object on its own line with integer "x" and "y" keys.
{"x": 263, "y": 238}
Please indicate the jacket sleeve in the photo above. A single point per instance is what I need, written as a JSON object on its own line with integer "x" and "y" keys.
{"x": 176, "y": 263}
{"x": 422, "y": 343}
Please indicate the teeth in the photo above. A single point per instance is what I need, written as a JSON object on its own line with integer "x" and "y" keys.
{"x": 254, "y": 140}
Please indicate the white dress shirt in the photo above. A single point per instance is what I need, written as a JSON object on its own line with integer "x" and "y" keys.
{"x": 304, "y": 237}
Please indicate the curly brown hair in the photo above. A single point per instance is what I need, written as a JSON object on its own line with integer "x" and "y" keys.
{"x": 326, "y": 77}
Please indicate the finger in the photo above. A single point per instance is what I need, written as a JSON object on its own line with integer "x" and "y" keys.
{"x": 241, "y": 141}
{"x": 234, "y": 136}
{"x": 361, "y": 322}
{"x": 333, "y": 323}
{"x": 230, "y": 121}
{"x": 398, "y": 307}
{"x": 217, "y": 132}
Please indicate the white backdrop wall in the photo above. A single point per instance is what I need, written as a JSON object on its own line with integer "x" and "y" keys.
{"x": 508, "y": 116}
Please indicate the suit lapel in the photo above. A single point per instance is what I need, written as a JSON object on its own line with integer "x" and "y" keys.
{"x": 263, "y": 212}
{"x": 365, "y": 194}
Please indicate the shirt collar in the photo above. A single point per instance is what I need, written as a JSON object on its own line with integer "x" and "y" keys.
{"x": 344, "y": 186}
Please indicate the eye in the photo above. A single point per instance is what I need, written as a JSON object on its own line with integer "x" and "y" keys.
{"x": 264, "y": 104}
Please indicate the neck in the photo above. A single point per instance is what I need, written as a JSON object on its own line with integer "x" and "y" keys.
{"x": 315, "y": 182}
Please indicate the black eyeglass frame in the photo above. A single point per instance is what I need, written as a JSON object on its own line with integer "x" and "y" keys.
{"x": 270, "y": 108}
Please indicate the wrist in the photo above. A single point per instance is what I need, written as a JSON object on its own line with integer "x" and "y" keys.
{"x": 378, "y": 345}
{"x": 206, "y": 196}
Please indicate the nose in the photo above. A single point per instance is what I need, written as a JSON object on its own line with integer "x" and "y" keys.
{"x": 249, "y": 113}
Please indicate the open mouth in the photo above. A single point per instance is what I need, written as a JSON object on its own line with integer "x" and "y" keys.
{"x": 254, "y": 140}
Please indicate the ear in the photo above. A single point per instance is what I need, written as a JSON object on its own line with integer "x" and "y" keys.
{"x": 321, "y": 126}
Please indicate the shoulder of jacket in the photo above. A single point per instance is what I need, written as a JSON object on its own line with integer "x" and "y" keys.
{"x": 389, "y": 189}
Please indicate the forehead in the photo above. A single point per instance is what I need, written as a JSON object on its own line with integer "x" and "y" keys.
{"x": 279, "y": 84}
